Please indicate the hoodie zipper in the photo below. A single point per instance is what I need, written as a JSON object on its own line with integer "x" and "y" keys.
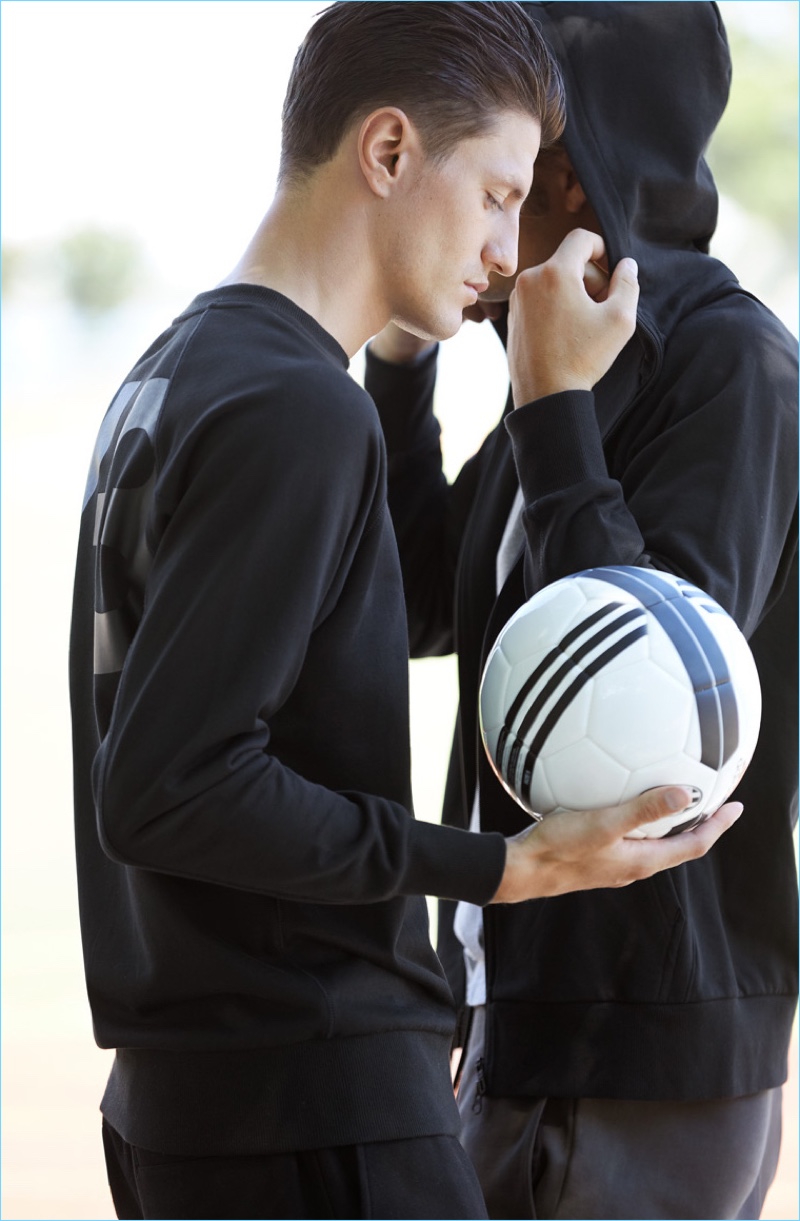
{"x": 480, "y": 1087}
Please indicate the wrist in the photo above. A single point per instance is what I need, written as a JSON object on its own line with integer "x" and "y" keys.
{"x": 515, "y": 884}
{"x": 530, "y": 391}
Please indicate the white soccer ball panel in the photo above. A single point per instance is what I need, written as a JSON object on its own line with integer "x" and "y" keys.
{"x": 582, "y": 777}
{"x": 663, "y": 652}
{"x": 640, "y": 713}
{"x": 673, "y": 769}
{"x": 726, "y": 780}
{"x": 537, "y": 625}
{"x": 493, "y": 698}
{"x": 540, "y": 799}
{"x": 599, "y": 593}
{"x": 520, "y": 673}
{"x": 572, "y": 726}
{"x": 747, "y": 686}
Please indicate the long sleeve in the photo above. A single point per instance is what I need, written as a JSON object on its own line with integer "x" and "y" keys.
{"x": 700, "y": 480}
{"x": 429, "y": 515}
{"x": 273, "y": 570}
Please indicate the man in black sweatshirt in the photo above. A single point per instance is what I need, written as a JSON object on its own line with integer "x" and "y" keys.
{"x": 251, "y": 877}
{"x": 627, "y": 1046}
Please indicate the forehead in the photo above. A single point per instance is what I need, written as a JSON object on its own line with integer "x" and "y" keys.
{"x": 506, "y": 150}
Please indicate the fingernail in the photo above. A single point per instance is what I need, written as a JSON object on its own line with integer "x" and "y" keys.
{"x": 676, "y": 799}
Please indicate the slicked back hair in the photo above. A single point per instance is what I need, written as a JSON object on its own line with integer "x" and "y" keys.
{"x": 451, "y": 66}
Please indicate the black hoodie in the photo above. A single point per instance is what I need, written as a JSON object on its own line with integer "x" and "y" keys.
{"x": 683, "y": 458}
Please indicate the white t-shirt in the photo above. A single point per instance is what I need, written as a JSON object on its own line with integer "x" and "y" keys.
{"x": 468, "y": 923}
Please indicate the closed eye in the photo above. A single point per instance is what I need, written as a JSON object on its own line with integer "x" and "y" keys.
{"x": 495, "y": 204}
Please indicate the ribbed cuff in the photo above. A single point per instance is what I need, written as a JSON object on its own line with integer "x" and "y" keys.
{"x": 455, "y": 864}
{"x": 556, "y": 443}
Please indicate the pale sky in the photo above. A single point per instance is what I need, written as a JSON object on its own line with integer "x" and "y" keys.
{"x": 157, "y": 117}
{"x": 161, "y": 118}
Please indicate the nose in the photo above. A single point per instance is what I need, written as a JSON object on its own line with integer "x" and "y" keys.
{"x": 501, "y": 252}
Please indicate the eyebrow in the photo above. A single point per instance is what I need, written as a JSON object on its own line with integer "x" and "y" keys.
{"x": 512, "y": 185}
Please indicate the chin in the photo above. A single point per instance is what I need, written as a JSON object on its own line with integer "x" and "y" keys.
{"x": 432, "y": 329}
{"x": 451, "y": 329}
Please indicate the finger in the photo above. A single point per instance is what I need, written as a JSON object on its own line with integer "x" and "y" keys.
{"x": 483, "y": 310}
{"x": 701, "y": 837}
{"x": 653, "y": 805}
{"x": 580, "y": 247}
{"x": 595, "y": 281}
{"x": 649, "y": 857}
{"x": 690, "y": 845}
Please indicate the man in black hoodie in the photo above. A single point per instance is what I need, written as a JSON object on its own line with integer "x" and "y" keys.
{"x": 627, "y": 1047}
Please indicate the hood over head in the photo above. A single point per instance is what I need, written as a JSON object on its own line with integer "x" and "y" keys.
{"x": 646, "y": 85}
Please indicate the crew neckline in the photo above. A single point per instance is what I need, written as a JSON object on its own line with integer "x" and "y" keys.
{"x": 248, "y": 294}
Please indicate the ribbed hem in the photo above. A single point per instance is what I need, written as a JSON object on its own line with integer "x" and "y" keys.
{"x": 305, "y": 1096}
{"x": 711, "y": 1049}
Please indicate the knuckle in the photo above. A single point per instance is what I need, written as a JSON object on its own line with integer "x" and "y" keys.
{"x": 549, "y": 274}
{"x": 623, "y": 314}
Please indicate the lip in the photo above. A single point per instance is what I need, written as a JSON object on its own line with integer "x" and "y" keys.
{"x": 477, "y": 288}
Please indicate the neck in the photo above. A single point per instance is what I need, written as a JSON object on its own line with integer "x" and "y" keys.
{"x": 318, "y": 256}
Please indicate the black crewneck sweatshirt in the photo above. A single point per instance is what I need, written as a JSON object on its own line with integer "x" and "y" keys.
{"x": 251, "y": 877}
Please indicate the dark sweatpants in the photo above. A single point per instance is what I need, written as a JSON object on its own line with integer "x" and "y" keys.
{"x": 599, "y": 1159}
{"x": 421, "y": 1178}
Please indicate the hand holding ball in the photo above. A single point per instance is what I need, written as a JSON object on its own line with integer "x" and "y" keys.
{"x": 613, "y": 681}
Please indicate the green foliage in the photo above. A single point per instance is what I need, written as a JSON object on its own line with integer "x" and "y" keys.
{"x": 754, "y": 153}
{"x": 99, "y": 269}
{"x": 12, "y": 263}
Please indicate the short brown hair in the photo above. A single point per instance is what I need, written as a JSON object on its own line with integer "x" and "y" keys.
{"x": 452, "y": 66}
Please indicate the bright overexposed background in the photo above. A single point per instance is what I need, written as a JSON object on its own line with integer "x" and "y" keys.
{"x": 139, "y": 147}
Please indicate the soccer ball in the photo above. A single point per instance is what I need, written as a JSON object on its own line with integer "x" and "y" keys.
{"x": 614, "y": 681}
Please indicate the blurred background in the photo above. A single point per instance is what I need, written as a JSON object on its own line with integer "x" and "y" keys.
{"x": 140, "y": 143}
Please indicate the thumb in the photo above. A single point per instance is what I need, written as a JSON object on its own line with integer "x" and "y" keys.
{"x": 655, "y": 804}
{"x": 623, "y": 298}
{"x": 624, "y": 284}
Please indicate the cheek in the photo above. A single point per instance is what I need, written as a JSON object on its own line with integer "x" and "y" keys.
{"x": 462, "y": 231}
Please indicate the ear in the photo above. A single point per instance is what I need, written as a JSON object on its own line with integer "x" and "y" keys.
{"x": 565, "y": 192}
{"x": 574, "y": 195}
{"x": 387, "y": 141}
